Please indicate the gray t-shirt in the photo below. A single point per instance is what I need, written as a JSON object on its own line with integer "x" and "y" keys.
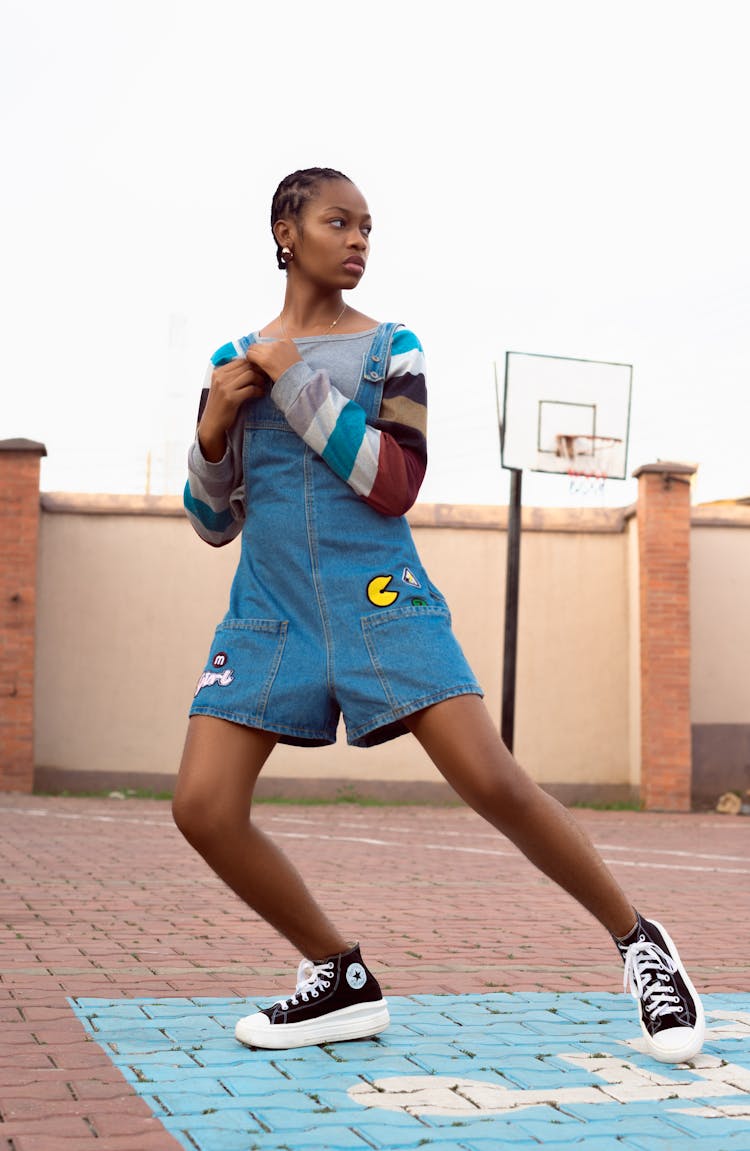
{"x": 342, "y": 356}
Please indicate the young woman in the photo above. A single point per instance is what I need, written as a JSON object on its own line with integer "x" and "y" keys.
{"x": 311, "y": 442}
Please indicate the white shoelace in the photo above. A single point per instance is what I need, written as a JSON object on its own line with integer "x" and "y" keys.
{"x": 311, "y": 979}
{"x": 646, "y": 969}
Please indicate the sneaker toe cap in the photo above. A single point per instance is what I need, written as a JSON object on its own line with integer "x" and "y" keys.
{"x": 676, "y": 1044}
{"x": 251, "y": 1028}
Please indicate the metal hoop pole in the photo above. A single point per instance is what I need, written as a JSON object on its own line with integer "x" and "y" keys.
{"x": 513, "y": 563}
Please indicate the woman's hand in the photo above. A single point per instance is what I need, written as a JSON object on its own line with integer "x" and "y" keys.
{"x": 273, "y": 359}
{"x": 231, "y": 385}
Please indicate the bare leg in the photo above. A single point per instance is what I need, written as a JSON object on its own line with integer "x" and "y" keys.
{"x": 220, "y": 765}
{"x": 464, "y": 745}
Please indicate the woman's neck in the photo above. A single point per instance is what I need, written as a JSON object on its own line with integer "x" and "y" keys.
{"x": 311, "y": 315}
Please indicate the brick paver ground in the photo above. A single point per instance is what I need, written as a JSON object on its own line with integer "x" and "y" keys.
{"x": 107, "y": 914}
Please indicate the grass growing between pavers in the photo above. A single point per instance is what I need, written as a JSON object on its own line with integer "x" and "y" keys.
{"x": 346, "y": 795}
{"x": 515, "y": 1070}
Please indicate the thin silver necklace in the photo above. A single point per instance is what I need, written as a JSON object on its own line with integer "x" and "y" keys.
{"x": 325, "y": 333}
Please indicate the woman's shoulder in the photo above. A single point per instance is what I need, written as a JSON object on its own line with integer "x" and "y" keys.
{"x": 405, "y": 335}
{"x": 406, "y": 340}
{"x": 357, "y": 323}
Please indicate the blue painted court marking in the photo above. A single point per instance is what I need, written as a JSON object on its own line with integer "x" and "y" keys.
{"x": 452, "y": 1073}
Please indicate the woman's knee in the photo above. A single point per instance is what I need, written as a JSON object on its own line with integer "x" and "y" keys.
{"x": 189, "y": 814}
{"x": 203, "y": 818}
{"x": 220, "y": 764}
{"x": 498, "y": 794}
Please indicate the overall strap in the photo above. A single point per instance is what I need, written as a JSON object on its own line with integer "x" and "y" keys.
{"x": 370, "y": 390}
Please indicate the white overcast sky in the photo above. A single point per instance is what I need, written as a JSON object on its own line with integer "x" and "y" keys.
{"x": 563, "y": 177}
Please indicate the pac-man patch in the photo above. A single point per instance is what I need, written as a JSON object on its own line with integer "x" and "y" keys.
{"x": 379, "y": 593}
{"x": 408, "y": 576}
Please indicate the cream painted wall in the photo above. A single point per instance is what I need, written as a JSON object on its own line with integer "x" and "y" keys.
{"x": 128, "y": 603}
{"x": 122, "y": 634}
{"x": 720, "y": 623}
{"x": 573, "y": 692}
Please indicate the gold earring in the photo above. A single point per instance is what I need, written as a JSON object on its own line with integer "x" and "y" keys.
{"x": 287, "y": 254}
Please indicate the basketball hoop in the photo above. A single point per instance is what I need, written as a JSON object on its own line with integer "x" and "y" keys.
{"x": 561, "y": 414}
{"x": 584, "y": 444}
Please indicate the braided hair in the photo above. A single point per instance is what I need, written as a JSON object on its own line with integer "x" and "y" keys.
{"x": 294, "y": 192}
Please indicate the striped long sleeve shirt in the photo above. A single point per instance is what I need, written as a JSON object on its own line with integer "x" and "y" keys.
{"x": 384, "y": 462}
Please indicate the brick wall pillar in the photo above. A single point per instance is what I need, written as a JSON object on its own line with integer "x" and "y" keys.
{"x": 664, "y": 561}
{"x": 19, "y": 528}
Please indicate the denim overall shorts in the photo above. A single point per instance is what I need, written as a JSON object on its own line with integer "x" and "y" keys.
{"x": 331, "y": 611}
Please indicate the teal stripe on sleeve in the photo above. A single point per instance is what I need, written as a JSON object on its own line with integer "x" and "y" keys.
{"x": 405, "y": 341}
{"x": 214, "y": 521}
{"x": 224, "y": 354}
{"x": 345, "y": 440}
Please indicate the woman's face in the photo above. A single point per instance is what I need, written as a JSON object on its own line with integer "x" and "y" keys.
{"x": 332, "y": 239}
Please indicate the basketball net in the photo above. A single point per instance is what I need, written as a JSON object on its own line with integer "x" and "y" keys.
{"x": 588, "y": 456}
{"x": 587, "y": 484}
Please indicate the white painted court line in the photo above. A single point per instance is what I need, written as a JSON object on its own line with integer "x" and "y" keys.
{"x": 65, "y": 815}
{"x": 412, "y": 831}
{"x": 672, "y": 851}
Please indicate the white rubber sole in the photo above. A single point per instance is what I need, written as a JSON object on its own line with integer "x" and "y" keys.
{"x": 358, "y": 1022}
{"x": 678, "y": 1043}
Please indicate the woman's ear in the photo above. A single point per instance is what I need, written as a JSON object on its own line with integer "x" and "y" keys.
{"x": 284, "y": 234}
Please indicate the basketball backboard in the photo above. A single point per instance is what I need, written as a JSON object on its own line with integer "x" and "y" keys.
{"x": 565, "y": 415}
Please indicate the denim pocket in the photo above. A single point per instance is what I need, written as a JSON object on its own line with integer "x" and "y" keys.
{"x": 241, "y": 669}
{"x": 410, "y": 649}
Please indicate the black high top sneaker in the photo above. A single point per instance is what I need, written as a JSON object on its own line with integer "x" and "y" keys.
{"x": 336, "y": 998}
{"x": 671, "y": 1015}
